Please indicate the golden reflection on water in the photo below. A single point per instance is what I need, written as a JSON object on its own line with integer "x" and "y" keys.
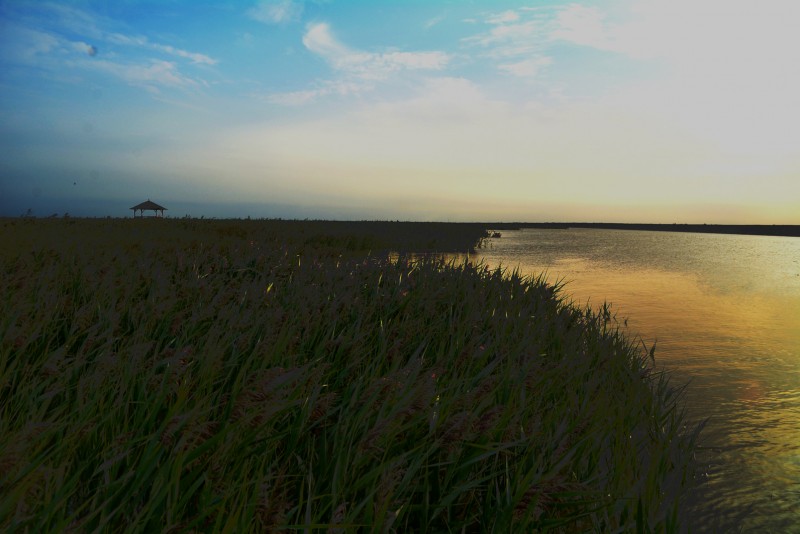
{"x": 688, "y": 319}
{"x": 725, "y": 313}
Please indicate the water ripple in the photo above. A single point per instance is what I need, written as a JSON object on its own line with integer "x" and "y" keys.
{"x": 724, "y": 313}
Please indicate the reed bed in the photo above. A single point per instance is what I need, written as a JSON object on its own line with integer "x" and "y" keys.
{"x": 190, "y": 376}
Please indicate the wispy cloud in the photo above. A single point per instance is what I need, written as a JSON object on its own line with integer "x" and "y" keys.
{"x": 59, "y": 38}
{"x": 295, "y": 98}
{"x": 367, "y": 65}
{"x": 319, "y": 39}
{"x": 433, "y": 21}
{"x": 194, "y": 57}
{"x": 517, "y": 40}
{"x": 150, "y": 76}
{"x": 528, "y": 68}
{"x": 581, "y": 24}
{"x": 19, "y": 44}
{"x": 503, "y": 18}
{"x": 143, "y": 42}
{"x": 61, "y": 19}
{"x": 276, "y": 11}
{"x": 323, "y": 89}
{"x": 504, "y": 37}
{"x": 358, "y": 70}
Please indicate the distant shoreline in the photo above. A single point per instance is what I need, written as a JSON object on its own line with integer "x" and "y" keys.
{"x": 780, "y": 230}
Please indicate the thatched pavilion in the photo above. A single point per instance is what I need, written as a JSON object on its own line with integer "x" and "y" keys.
{"x": 148, "y": 206}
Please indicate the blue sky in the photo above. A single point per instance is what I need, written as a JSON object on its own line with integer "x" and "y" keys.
{"x": 622, "y": 110}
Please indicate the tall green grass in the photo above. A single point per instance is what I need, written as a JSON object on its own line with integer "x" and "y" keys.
{"x": 214, "y": 377}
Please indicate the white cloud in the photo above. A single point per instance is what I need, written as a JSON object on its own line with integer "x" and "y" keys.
{"x": 359, "y": 70}
{"x": 276, "y": 11}
{"x": 124, "y": 40}
{"x": 722, "y": 69}
{"x": 698, "y": 53}
{"x": 584, "y": 26}
{"x": 320, "y": 40}
{"x": 449, "y": 99}
{"x": 431, "y": 22}
{"x": 526, "y": 33}
{"x": 504, "y": 17}
{"x": 54, "y": 49}
{"x": 19, "y": 44}
{"x": 684, "y": 30}
{"x": 151, "y": 76}
{"x": 410, "y": 60}
{"x": 193, "y": 56}
{"x": 56, "y": 54}
{"x": 299, "y": 98}
{"x": 528, "y": 68}
{"x": 517, "y": 46}
{"x": 141, "y": 41}
{"x": 93, "y": 28}
{"x": 295, "y": 98}
{"x": 520, "y": 44}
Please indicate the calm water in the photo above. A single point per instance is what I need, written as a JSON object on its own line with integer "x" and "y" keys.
{"x": 724, "y": 311}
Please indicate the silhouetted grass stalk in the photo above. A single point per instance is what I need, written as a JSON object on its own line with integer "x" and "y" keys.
{"x": 222, "y": 377}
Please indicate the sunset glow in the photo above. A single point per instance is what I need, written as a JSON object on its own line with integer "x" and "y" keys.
{"x": 625, "y": 111}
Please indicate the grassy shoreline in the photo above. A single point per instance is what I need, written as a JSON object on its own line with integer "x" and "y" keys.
{"x": 231, "y": 376}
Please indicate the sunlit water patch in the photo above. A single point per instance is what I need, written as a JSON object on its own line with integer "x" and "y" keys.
{"x": 724, "y": 313}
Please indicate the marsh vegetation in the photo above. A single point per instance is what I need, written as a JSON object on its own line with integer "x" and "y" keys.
{"x": 180, "y": 375}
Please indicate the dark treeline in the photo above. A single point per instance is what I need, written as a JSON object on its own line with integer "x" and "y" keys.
{"x": 744, "y": 229}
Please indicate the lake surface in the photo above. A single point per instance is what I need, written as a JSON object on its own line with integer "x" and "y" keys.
{"x": 724, "y": 312}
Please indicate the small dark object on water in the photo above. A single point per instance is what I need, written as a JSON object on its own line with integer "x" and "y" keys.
{"x": 496, "y": 234}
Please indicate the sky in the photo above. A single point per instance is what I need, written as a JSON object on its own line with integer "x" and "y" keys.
{"x": 655, "y": 111}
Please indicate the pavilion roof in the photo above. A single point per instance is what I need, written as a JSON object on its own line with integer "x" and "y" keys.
{"x": 148, "y": 205}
